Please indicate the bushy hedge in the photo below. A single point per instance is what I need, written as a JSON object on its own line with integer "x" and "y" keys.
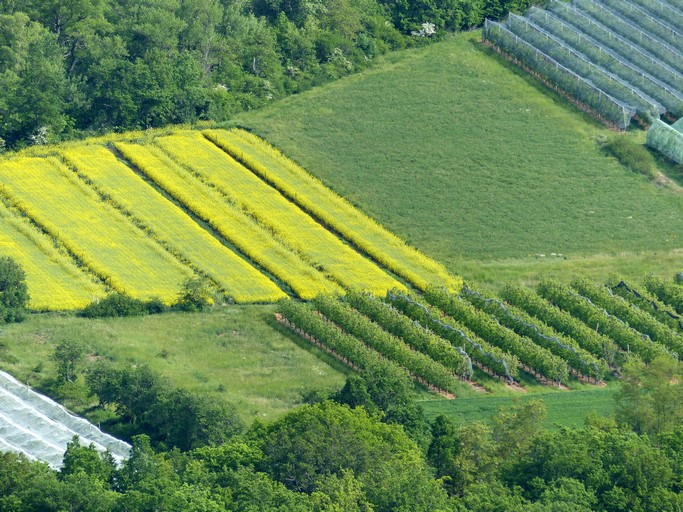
{"x": 118, "y": 305}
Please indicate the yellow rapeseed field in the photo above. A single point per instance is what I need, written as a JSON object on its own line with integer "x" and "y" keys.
{"x": 228, "y": 220}
{"x": 312, "y": 195}
{"x": 82, "y": 222}
{"x": 54, "y": 281}
{"x": 122, "y": 255}
{"x": 318, "y": 245}
{"x": 171, "y": 226}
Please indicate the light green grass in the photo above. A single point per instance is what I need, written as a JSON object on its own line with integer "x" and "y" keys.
{"x": 235, "y": 353}
{"x": 565, "y": 408}
{"x": 478, "y": 165}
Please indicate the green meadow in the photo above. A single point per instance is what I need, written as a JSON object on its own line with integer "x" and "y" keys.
{"x": 234, "y": 353}
{"x": 481, "y": 167}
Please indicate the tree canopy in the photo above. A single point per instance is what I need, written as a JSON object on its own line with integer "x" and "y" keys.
{"x": 80, "y": 67}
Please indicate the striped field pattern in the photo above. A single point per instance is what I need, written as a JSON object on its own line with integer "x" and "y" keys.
{"x": 315, "y": 243}
{"x": 171, "y": 226}
{"x": 54, "y": 280}
{"x": 142, "y": 213}
{"x": 120, "y": 254}
{"x": 313, "y": 196}
{"x": 230, "y": 222}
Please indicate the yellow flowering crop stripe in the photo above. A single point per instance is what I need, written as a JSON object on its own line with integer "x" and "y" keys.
{"x": 313, "y": 196}
{"x": 94, "y": 231}
{"x": 54, "y": 281}
{"x": 171, "y": 226}
{"x": 317, "y": 244}
{"x": 229, "y": 221}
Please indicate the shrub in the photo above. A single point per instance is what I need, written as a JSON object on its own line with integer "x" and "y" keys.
{"x": 196, "y": 295}
{"x": 13, "y": 291}
{"x": 632, "y": 155}
{"x": 118, "y": 304}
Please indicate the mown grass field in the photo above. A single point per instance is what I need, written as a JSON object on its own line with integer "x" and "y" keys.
{"x": 565, "y": 408}
{"x": 479, "y": 166}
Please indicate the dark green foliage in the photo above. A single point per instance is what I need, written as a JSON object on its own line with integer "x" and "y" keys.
{"x": 13, "y": 290}
{"x": 632, "y": 155}
{"x": 329, "y": 457}
{"x": 80, "y": 458}
{"x": 79, "y": 66}
{"x": 195, "y": 295}
{"x": 389, "y": 395}
{"x": 170, "y": 417}
{"x": 69, "y": 356}
{"x": 451, "y": 14}
{"x": 118, "y": 304}
{"x": 650, "y": 398}
{"x": 327, "y": 438}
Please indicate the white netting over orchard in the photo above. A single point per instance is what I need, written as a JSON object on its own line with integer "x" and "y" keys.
{"x": 666, "y": 139}
{"x": 40, "y": 428}
{"x": 617, "y": 57}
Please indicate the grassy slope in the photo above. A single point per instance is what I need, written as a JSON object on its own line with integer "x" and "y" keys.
{"x": 458, "y": 153}
{"x": 565, "y": 409}
{"x": 237, "y": 348}
{"x": 478, "y": 166}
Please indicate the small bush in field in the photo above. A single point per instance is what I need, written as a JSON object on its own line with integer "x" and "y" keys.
{"x": 632, "y": 155}
{"x": 119, "y": 304}
{"x": 196, "y": 295}
{"x": 13, "y": 291}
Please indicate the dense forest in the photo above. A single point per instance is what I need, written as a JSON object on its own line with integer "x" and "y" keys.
{"x": 71, "y": 68}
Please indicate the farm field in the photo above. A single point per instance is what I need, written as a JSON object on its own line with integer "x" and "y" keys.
{"x": 169, "y": 224}
{"x": 51, "y": 275}
{"x": 99, "y": 236}
{"x": 517, "y": 192}
{"x": 181, "y": 207}
{"x": 564, "y": 409}
{"x": 490, "y": 172}
{"x": 563, "y": 336}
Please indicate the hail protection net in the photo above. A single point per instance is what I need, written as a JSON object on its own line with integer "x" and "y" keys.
{"x": 608, "y": 60}
{"x": 611, "y": 108}
{"x": 643, "y": 55}
{"x": 667, "y": 139}
{"x": 614, "y": 56}
{"x": 632, "y": 31}
{"x": 40, "y": 428}
{"x": 665, "y": 30}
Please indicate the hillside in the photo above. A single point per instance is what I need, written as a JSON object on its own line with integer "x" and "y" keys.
{"x": 521, "y": 175}
{"x": 218, "y": 205}
{"x": 479, "y": 166}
